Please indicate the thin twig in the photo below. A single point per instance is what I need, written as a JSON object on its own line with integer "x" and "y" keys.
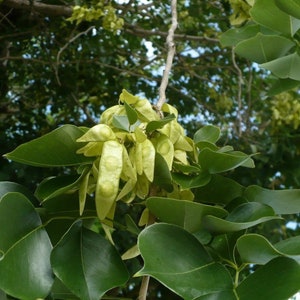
{"x": 144, "y": 288}
{"x": 239, "y": 95}
{"x": 65, "y": 47}
{"x": 170, "y": 56}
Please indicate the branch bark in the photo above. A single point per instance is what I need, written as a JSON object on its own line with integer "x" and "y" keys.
{"x": 171, "y": 52}
{"x": 42, "y": 8}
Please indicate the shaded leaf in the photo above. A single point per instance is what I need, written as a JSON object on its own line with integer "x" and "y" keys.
{"x": 244, "y": 216}
{"x": 25, "y": 270}
{"x": 282, "y": 201}
{"x": 220, "y": 190}
{"x": 279, "y": 279}
{"x": 191, "y": 181}
{"x": 188, "y": 271}
{"x": 290, "y": 7}
{"x": 53, "y": 186}
{"x": 216, "y": 162}
{"x": 7, "y": 186}
{"x": 162, "y": 174}
{"x": 282, "y": 85}
{"x": 57, "y": 148}
{"x": 94, "y": 263}
{"x": 183, "y": 213}
{"x": 264, "y": 48}
{"x": 256, "y": 249}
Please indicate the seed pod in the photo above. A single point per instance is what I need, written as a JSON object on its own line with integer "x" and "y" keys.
{"x": 148, "y": 157}
{"x": 165, "y": 148}
{"x": 142, "y": 186}
{"x": 107, "y": 115}
{"x": 138, "y": 158}
{"x": 180, "y": 155}
{"x": 110, "y": 168}
{"x": 128, "y": 171}
{"x": 91, "y": 149}
{"x": 145, "y": 111}
{"x": 183, "y": 144}
{"x": 98, "y": 133}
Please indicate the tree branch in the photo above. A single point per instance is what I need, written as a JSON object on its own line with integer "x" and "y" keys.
{"x": 42, "y": 8}
{"x": 170, "y": 56}
{"x": 138, "y": 31}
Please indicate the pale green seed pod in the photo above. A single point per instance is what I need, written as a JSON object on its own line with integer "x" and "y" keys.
{"x": 110, "y": 168}
{"x": 98, "y": 133}
{"x": 165, "y": 147}
{"x": 148, "y": 157}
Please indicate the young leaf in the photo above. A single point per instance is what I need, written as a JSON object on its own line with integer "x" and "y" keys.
{"x": 207, "y": 133}
{"x": 94, "y": 263}
{"x": 25, "y": 271}
{"x": 153, "y": 125}
{"x": 131, "y": 113}
{"x": 184, "y": 266}
{"x": 55, "y": 149}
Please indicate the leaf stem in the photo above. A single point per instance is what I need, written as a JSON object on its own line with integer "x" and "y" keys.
{"x": 144, "y": 288}
{"x": 171, "y": 52}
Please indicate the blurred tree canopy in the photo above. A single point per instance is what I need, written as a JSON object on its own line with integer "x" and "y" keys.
{"x": 65, "y": 62}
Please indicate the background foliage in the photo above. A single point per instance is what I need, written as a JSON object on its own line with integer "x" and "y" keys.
{"x": 65, "y": 64}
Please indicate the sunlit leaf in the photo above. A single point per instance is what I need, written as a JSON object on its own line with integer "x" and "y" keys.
{"x": 94, "y": 263}
{"x": 25, "y": 270}
{"x": 266, "y": 13}
{"x": 285, "y": 67}
{"x": 264, "y": 48}
{"x": 189, "y": 271}
{"x": 209, "y": 133}
{"x": 57, "y": 148}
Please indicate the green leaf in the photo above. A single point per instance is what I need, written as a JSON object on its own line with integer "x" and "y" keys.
{"x": 256, "y": 249}
{"x": 25, "y": 270}
{"x": 131, "y": 113}
{"x": 220, "y": 190}
{"x": 94, "y": 263}
{"x": 216, "y": 162}
{"x": 153, "y": 125}
{"x": 282, "y": 201}
{"x": 121, "y": 122}
{"x": 207, "y": 133}
{"x": 191, "y": 181}
{"x": 291, "y": 7}
{"x": 184, "y": 266}
{"x": 53, "y": 186}
{"x": 235, "y": 35}
{"x": 282, "y": 85}
{"x": 266, "y": 13}
{"x": 55, "y": 149}
{"x": 264, "y": 48}
{"x": 244, "y": 216}
{"x": 285, "y": 67}
{"x": 162, "y": 174}
{"x": 279, "y": 279}
{"x": 7, "y": 186}
{"x": 183, "y": 213}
